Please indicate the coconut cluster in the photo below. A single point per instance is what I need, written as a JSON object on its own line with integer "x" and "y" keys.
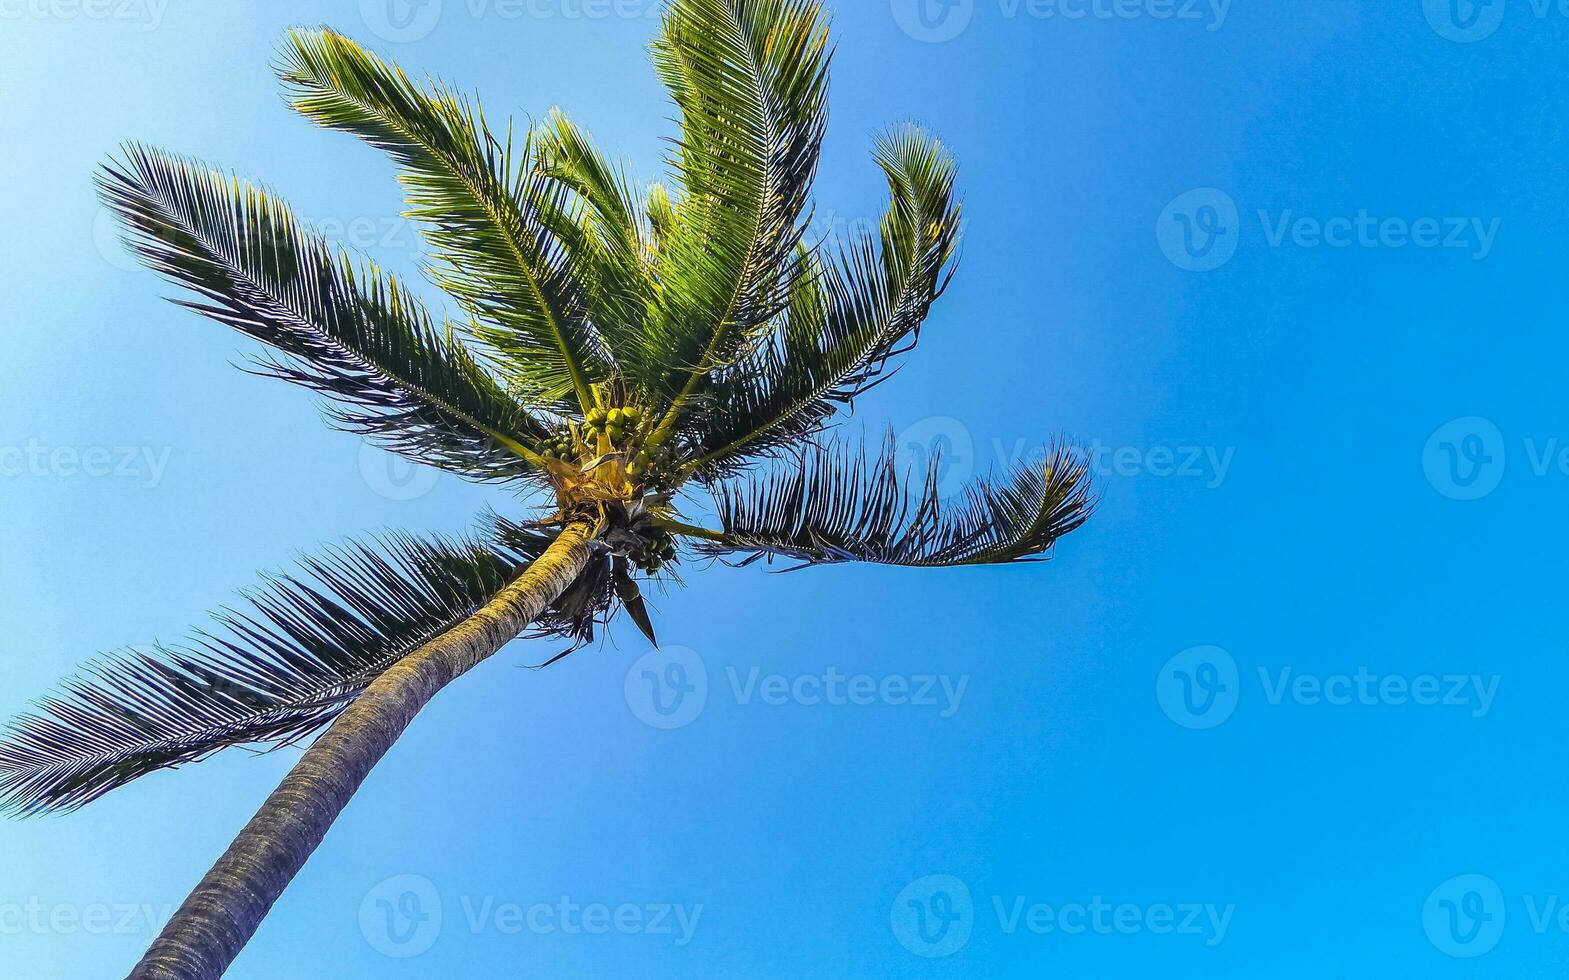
{"x": 561, "y": 446}
{"x": 660, "y": 548}
{"x": 615, "y": 423}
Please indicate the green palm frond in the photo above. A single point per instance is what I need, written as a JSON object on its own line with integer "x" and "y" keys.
{"x": 834, "y": 504}
{"x": 351, "y": 333}
{"x": 661, "y": 213}
{"x": 603, "y": 230}
{"x": 486, "y": 204}
{"x": 298, "y": 651}
{"x": 750, "y": 80}
{"x": 844, "y": 323}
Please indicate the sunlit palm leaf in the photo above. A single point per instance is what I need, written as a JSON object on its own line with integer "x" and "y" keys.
{"x": 749, "y": 77}
{"x": 301, "y": 648}
{"x": 602, "y": 229}
{"x": 486, "y": 206}
{"x": 834, "y": 504}
{"x": 844, "y": 323}
{"x": 351, "y": 334}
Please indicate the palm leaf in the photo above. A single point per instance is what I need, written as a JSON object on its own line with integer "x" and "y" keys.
{"x": 846, "y": 322}
{"x": 600, "y": 226}
{"x": 834, "y": 505}
{"x": 350, "y": 333}
{"x": 749, "y": 77}
{"x": 485, "y": 203}
{"x": 302, "y": 647}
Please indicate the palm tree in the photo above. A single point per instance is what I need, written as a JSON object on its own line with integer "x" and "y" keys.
{"x": 617, "y": 355}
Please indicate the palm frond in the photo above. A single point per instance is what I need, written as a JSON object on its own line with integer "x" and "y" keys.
{"x": 486, "y": 205}
{"x": 750, "y": 79}
{"x": 845, "y": 322}
{"x": 834, "y": 504}
{"x": 350, "y": 333}
{"x": 601, "y": 227}
{"x": 299, "y": 650}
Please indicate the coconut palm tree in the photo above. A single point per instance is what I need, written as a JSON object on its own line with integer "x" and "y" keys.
{"x": 618, "y": 356}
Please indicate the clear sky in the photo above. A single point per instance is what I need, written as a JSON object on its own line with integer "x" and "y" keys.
{"x": 1291, "y": 705}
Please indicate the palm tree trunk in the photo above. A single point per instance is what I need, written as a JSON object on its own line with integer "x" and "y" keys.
{"x": 222, "y": 913}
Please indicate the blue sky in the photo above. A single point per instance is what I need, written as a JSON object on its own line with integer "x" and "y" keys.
{"x": 1288, "y": 706}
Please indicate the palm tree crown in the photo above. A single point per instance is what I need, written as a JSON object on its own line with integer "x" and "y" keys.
{"x": 623, "y": 352}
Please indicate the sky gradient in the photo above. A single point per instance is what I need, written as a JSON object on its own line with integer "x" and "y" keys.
{"x": 1288, "y": 706}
